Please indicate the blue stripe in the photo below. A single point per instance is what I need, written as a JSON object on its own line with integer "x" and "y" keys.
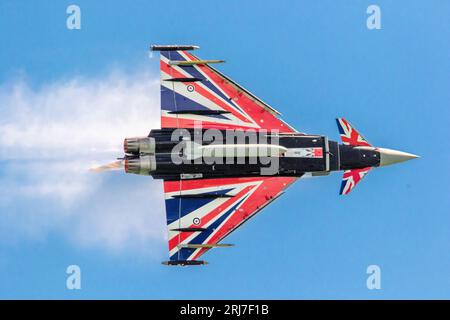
{"x": 341, "y": 130}
{"x": 175, "y": 56}
{"x": 184, "y": 253}
{"x": 182, "y": 103}
{"x": 196, "y": 74}
{"x": 188, "y": 205}
{"x": 343, "y": 183}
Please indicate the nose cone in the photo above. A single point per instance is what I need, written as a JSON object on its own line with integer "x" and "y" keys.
{"x": 389, "y": 156}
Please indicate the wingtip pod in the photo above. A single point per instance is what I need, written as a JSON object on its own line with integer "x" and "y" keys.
{"x": 184, "y": 263}
{"x": 172, "y": 47}
{"x": 349, "y": 135}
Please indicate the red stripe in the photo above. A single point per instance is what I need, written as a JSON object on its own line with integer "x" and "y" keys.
{"x": 247, "y": 103}
{"x": 270, "y": 188}
{"x": 179, "y": 238}
{"x": 173, "y": 122}
{"x": 203, "y": 92}
{"x": 173, "y": 186}
{"x": 354, "y": 176}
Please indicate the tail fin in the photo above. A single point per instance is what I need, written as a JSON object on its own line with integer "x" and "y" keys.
{"x": 349, "y": 135}
{"x": 351, "y": 178}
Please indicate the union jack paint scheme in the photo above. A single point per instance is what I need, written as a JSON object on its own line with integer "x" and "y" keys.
{"x": 351, "y": 178}
{"x": 349, "y": 135}
{"x": 203, "y": 212}
{"x": 207, "y": 200}
{"x": 219, "y": 102}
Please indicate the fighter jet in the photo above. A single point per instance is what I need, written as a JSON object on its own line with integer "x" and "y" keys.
{"x": 224, "y": 154}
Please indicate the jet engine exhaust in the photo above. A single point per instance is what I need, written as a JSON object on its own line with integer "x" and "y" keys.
{"x": 140, "y": 145}
{"x": 142, "y": 165}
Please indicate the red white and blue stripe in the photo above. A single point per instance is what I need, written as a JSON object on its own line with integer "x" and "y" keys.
{"x": 349, "y": 135}
{"x": 351, "y": 178}
{"x": 209, "y": 90}
{"x": 214, "y": 206}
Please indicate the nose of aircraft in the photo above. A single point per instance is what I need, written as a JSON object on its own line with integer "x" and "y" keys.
{"x": 389, "y": 156}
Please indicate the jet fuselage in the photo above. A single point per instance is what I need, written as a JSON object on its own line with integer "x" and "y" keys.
{"x": 300, "y": 154}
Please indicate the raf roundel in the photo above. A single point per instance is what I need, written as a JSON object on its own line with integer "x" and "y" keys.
{"x": 196, "y": 221}
{"x": 190, "y": 88}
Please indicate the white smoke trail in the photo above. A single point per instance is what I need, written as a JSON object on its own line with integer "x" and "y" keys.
{"x": 51, "y": 135}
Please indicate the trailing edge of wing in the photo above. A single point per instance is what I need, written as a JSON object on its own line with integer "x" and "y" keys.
{"x": 204, "y": 215}
{"x": 193, "y": 92}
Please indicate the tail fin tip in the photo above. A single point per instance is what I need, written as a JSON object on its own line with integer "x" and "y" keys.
{"x": 349, "y": 135}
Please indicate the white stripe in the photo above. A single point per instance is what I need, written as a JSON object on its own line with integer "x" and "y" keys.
{"x": 206, "y": 209}
{"x": 247, "y": 196}
{"x": 180, "y": 88}
{"x": 187, "y": 75}
{"x": 220, "y": 89}
{"x": 201, "y": 213}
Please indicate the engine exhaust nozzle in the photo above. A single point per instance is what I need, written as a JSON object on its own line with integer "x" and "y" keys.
{"x": 141, "y": 145}
{"x": 142, "y": 165}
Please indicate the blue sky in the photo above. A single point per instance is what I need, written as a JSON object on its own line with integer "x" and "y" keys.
{"x": 70, "y": 96}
